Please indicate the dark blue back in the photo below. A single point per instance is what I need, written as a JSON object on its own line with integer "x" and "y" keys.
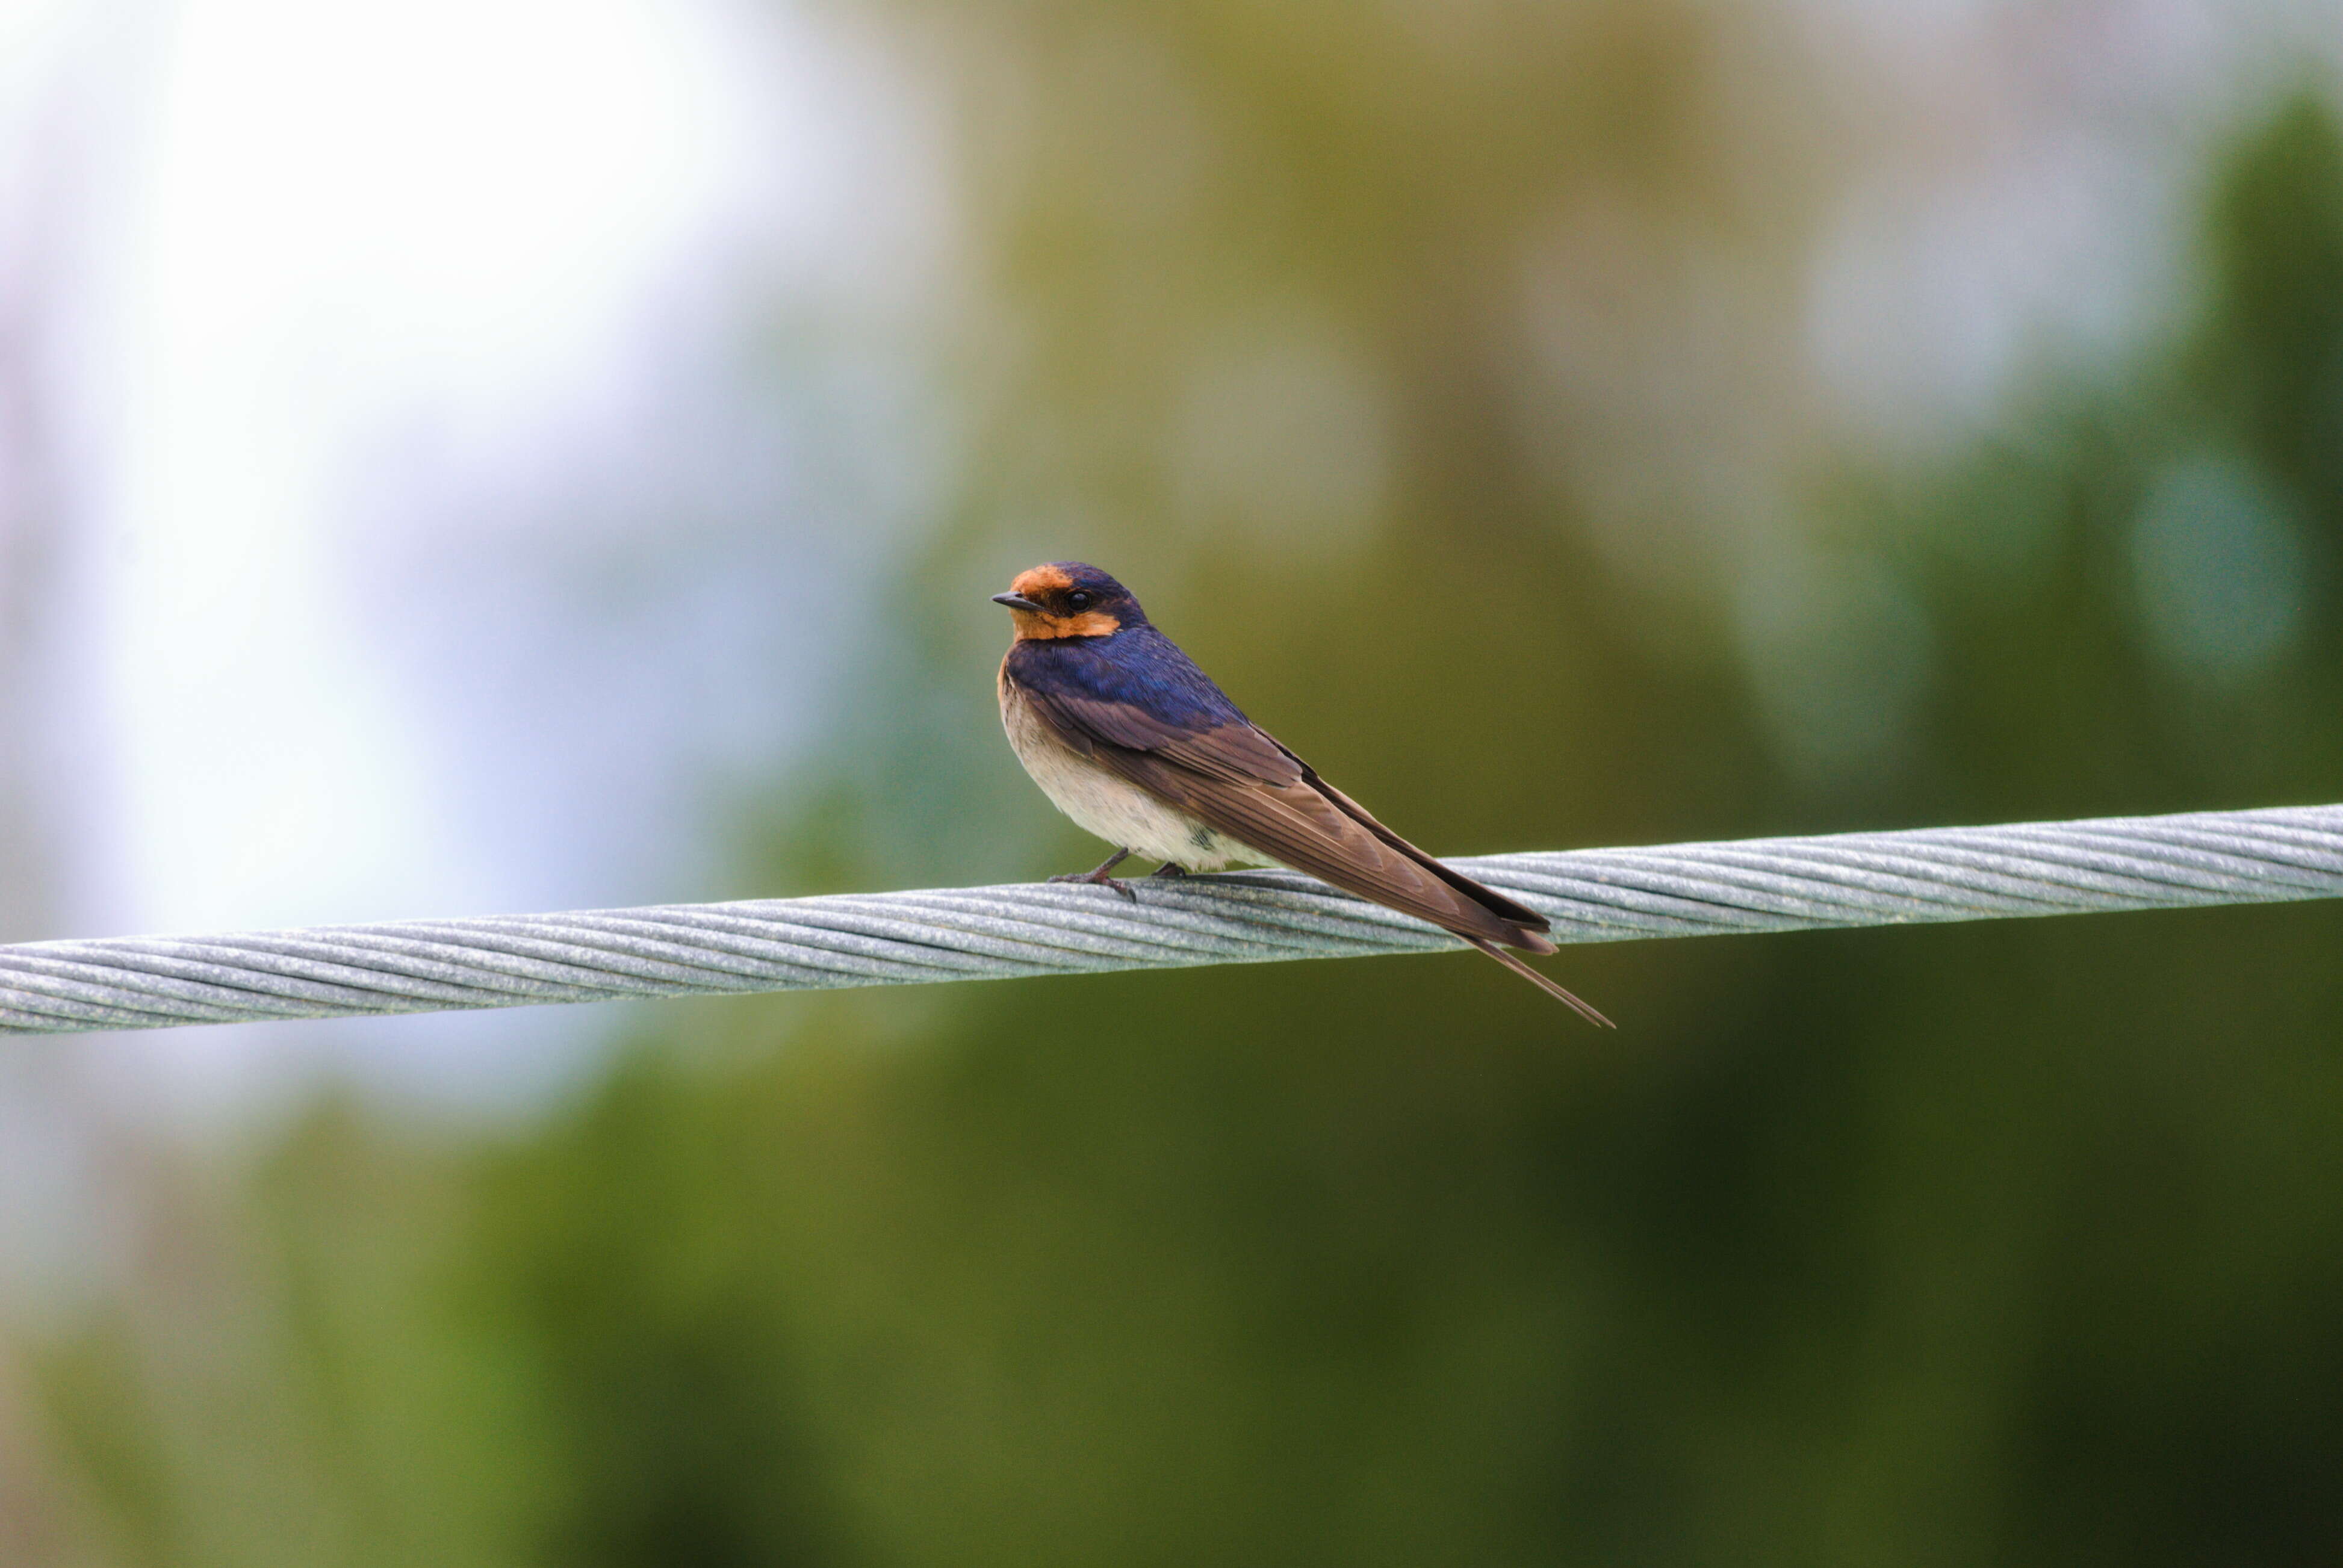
{"x": 1137, "y": 667}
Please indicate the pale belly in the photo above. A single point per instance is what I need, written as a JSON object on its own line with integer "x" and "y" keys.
{"x": 1113, "y": 808}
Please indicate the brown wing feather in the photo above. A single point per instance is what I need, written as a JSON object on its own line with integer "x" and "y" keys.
{"x": 1240, "y": 753}
{"x": 1240, "y": 780}
{"x": 1245, "y": 784}
{"x": 1487, "y": 897}
{"x": 1303, "y": 828}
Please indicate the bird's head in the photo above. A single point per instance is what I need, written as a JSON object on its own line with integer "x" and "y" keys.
{"x": 1067, "y": 598}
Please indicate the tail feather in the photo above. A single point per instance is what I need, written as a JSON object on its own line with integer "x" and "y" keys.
{"x": 1538, "y": 981}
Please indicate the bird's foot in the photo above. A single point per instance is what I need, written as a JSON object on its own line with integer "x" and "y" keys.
{"x": 1099, "y": 879}
{"x": 1169, "y": 869}
{"x": 1099, "y": 875}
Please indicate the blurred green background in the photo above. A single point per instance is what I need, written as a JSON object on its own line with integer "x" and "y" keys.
{"x": 1432, "y": 373}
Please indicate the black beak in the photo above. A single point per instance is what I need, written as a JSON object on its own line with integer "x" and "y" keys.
{"x": 1017, "y": 601}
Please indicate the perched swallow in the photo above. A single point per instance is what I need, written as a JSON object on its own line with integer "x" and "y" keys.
{"x": 1127, "y": 737}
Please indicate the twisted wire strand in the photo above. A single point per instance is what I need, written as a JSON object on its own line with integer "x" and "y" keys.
{"x": 979, "y": 933}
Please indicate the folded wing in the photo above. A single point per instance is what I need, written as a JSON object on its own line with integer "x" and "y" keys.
{"x": 1240, "y": 781}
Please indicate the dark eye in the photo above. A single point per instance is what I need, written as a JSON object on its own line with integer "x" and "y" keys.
{"x": 1078, "y": 598}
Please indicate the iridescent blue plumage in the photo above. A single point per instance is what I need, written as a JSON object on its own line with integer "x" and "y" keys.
{"x": 1137, "y": 666}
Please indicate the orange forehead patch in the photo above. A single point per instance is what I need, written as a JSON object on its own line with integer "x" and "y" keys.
{"x": 1040, "y": 581}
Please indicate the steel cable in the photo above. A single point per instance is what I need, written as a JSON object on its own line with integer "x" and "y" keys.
{"x": 979, "y": 933}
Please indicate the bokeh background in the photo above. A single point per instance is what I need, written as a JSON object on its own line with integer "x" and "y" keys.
{"x": 497, "y": 455}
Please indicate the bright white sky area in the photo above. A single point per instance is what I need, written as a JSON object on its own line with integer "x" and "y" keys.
{"x": 426, "y": 514}
{"x": 345, "y": 216}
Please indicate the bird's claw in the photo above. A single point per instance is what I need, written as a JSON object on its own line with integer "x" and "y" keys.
{"x": 1169, "y": 870}
{"x": 1100, "y": 880}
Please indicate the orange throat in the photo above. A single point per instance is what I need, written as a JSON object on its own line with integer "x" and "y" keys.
{"x": 1036, "y": 628}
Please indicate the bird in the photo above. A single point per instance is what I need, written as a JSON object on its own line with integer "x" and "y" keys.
{"x": 1132, "y": 741}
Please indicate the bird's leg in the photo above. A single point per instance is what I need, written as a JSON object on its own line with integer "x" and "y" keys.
{"x": 1099, "y": 875}
{"x": 1169, "y": 869}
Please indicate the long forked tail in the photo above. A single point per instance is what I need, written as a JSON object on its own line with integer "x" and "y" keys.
{"x": 1538, "y": 981}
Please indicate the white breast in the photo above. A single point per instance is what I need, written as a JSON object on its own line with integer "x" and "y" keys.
{"x": 1111, "y": 807}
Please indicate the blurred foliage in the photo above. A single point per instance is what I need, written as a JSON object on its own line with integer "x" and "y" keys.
{"x": 2020, "y": 1242}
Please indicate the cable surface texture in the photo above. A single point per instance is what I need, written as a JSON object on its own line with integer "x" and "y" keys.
{"x": 990, "y": 933}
